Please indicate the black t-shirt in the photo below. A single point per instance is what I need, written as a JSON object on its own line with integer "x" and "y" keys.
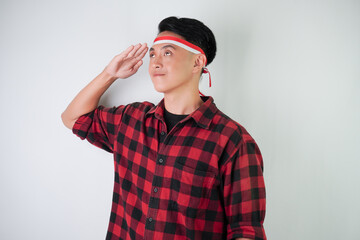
{"x": 172, "y": 119}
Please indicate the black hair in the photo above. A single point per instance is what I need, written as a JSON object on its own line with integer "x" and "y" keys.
{"x": 193, "y": 31}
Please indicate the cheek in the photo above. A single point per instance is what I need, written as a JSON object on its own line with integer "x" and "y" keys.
{"x": 175, "y": 65}
{"x": 185, "y": 69}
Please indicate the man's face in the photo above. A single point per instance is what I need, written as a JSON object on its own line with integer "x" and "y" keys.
{"x": 171, "y": 66}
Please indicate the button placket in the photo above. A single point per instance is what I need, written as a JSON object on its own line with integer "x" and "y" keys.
{"x": 162, "y": 136}
{"x": 160, "y": 161}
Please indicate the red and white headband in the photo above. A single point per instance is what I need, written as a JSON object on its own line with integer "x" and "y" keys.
{"x": 185, "y": 45}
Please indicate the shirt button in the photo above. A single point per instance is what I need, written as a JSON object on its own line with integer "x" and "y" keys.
{"x": 163, "y": 133}
{"x": 155, "y": 189}
{"x": 150, "y": 219}
{"x": 161, "y": 160}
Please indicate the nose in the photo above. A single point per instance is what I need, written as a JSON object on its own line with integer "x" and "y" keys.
{"x": 156, "y": 62}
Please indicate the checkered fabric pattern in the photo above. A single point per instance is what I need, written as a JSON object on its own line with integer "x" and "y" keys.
{"x": 201, "y": 180}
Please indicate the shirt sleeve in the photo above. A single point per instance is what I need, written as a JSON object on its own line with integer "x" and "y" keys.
{"x": 99, "y": 126}
{"x": 244, "y": 192}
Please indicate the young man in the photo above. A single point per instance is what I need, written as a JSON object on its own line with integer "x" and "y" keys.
{"x": 183, "y": 169}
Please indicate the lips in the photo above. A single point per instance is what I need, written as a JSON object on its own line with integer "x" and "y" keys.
{"x": 158, "y": 74}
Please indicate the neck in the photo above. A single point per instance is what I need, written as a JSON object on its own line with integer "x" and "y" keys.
{"x": 182, "y": 103}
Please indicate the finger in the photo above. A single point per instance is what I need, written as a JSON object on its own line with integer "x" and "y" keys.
{"x": 131, "y": 62}
{"x": 142, "y": 53}
{"x": 126, "y": 52}
{"x": 140, "y": 50}
{"x": 134, "y": 50}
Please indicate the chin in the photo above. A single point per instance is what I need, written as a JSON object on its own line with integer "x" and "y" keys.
{"x": 160, "y": 89}
{"x": 160, "y": 86}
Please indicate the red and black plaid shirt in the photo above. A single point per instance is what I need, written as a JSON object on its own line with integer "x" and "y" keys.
{"x": 201, "y": 180}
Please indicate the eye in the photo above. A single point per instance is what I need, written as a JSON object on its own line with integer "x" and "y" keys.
{"x": 168, "y": 53}
{"x": 151, "y": 55}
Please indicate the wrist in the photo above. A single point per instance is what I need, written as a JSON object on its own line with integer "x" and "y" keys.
{"x": 107, "y": 77}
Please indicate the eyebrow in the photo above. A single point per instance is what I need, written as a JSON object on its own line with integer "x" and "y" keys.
{"x": 166, "y": 46}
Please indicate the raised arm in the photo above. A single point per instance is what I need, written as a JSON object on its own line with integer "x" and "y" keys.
{"x": 121, "y": 66}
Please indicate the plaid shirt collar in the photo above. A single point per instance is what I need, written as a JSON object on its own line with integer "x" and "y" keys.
{"x": 202, "y": 116}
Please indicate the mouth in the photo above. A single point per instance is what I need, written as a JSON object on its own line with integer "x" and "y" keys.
{"x": 158, "y": 75}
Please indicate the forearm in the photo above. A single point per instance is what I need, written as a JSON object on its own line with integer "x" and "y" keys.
{"x": 121, "y": 66}
{"x": 87, "y": 99}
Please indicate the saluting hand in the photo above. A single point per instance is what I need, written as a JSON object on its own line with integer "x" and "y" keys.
{"x": 128, "y": 62}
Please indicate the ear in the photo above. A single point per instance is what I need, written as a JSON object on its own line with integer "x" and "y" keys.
{"x": 200, "y": 60}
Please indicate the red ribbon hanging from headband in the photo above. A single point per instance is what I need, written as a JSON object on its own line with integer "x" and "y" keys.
{"x": 205, "y": 70}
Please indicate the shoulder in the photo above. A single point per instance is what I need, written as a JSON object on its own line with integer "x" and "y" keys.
{"x": 238, "y": 141}
{"x": 140, "y": 106}
{"x": 136, "y": 110}
{"x": 230, "y": 128}
{"x": 130, "y": 107}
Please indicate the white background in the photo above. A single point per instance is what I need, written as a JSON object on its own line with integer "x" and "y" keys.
{"x": 288, "y": 71}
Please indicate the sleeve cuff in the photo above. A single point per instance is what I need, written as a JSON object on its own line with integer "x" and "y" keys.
{"x": 81, "y": 126}
{"x": 249, "y": 230}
